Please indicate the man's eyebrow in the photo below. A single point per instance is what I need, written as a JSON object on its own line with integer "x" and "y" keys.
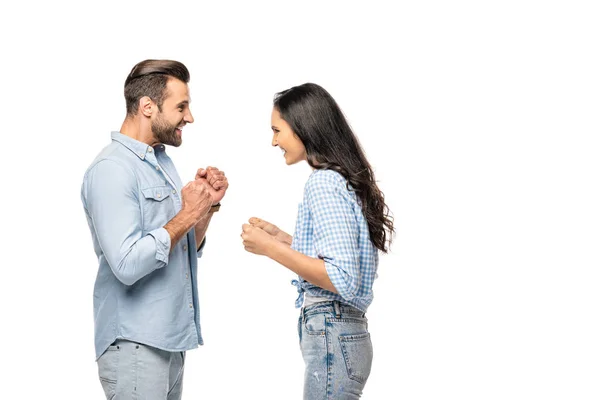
{"x": 185, "y": 102}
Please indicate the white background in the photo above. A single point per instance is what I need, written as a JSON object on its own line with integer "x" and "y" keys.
{"x": 481, "y": 121}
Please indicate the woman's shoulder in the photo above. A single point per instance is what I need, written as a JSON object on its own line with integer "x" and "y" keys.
{"x": 323, "y": 181}
{"x": 326, "y": 177}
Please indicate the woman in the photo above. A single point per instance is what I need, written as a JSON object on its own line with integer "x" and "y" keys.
{"x": 342, "y": 223}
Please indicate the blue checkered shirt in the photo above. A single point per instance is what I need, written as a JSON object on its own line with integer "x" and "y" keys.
{"x": 332, "y": 227}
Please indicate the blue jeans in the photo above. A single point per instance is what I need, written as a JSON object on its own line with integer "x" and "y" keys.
{"x": 130, "y": 370}
{"x": 337, "y": 350}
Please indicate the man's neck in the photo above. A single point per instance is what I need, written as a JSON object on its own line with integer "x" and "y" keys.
{"x": 138, "y": 130}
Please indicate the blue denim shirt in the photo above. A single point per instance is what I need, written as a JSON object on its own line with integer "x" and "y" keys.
{"x": 144, "y": 292}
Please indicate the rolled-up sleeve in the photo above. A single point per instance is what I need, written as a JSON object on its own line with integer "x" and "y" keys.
{"x": 163, "y": 244}
{"x": 335, "y": 232}
{"x": 112, "y": 202}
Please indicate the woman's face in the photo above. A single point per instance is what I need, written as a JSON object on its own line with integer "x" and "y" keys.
{"x": 283, "y": 136}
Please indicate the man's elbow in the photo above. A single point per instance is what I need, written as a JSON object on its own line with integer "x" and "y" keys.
{"x": 125, "y": 273}
{"x": 126, "y": 279}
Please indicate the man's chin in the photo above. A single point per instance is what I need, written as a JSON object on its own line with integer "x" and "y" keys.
{"x": 172, "y": 141}
{"x": 176, "y": 140}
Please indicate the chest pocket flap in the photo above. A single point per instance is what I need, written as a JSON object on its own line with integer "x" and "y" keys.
{"x": 158, "y": 193}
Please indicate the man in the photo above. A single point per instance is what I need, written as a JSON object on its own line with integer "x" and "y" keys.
{"x": 148, "y": 232}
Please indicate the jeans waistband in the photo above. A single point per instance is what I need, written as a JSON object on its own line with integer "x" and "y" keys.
{"x": 333, "y": 307}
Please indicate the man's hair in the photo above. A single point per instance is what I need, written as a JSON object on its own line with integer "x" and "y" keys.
{"x": 149, "y": 78}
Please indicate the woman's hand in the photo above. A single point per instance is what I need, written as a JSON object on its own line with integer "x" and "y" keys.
{"x": 256, "y": 240}
{"x": 272, "y": 230}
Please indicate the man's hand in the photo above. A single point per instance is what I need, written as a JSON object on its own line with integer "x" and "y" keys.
{"x": 195, "y": 204}
{"x": 215, "y": 181}
{"x": 272, "y": 230}
{"x": 195, "y": 200}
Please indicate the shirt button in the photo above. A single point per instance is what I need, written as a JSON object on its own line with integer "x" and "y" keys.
{"x": 173, "y": 191}
{"x": 142, "y": 155}
{"x": 187, "y": 276}
{"x": 191, "y": 305}
{"x": 157, "y": 168}
{"x": 149, "y": 149}
{"x": 185, "y": 247}
{"x": 158, "y": 195}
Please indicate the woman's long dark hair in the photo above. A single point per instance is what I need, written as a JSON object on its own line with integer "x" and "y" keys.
{"x": 330, "y": 143}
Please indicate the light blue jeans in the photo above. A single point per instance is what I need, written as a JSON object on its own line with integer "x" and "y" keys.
{"x": 130, "y": 370}
{"x": 337, "y": 350}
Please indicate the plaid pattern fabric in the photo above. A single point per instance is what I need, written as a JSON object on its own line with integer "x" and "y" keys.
{"x": 331, "y": 226}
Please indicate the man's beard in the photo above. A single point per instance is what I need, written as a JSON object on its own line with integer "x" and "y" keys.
{"x": 166, "y": 133}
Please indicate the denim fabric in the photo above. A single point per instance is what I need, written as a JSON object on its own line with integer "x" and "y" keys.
{"x": 337, "y": 350}
{"x": 130, "y": 370}
{"x": 144, "y": 291}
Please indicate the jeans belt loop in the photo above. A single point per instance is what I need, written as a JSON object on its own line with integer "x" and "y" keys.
{"x": 336, "y": 307}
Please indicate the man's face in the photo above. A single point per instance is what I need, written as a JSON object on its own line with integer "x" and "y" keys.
{"x": 168, "y": 123}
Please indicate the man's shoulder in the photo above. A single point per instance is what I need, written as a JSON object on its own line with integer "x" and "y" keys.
{"x": 112, "y": 170}
{"x": 116, "y": 153}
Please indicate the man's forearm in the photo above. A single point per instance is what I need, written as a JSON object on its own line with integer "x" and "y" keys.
{"x": 201, "y": 227}
{"x": 178, "y": 227}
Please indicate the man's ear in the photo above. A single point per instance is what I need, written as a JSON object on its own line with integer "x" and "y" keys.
{"x": 146, "y": 106}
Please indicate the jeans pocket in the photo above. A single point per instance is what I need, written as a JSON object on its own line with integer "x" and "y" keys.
{"x": 108, "y": 365}
{"x": 314, "y": 324}
{"x": 177, "y": 382}
{"x": 358, "y": 355}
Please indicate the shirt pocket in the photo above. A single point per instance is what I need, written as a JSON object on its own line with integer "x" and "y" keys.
{"x": 157, "y": 207}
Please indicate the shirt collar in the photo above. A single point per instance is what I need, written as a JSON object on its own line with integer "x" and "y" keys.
{"x": 138, "y": 148}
